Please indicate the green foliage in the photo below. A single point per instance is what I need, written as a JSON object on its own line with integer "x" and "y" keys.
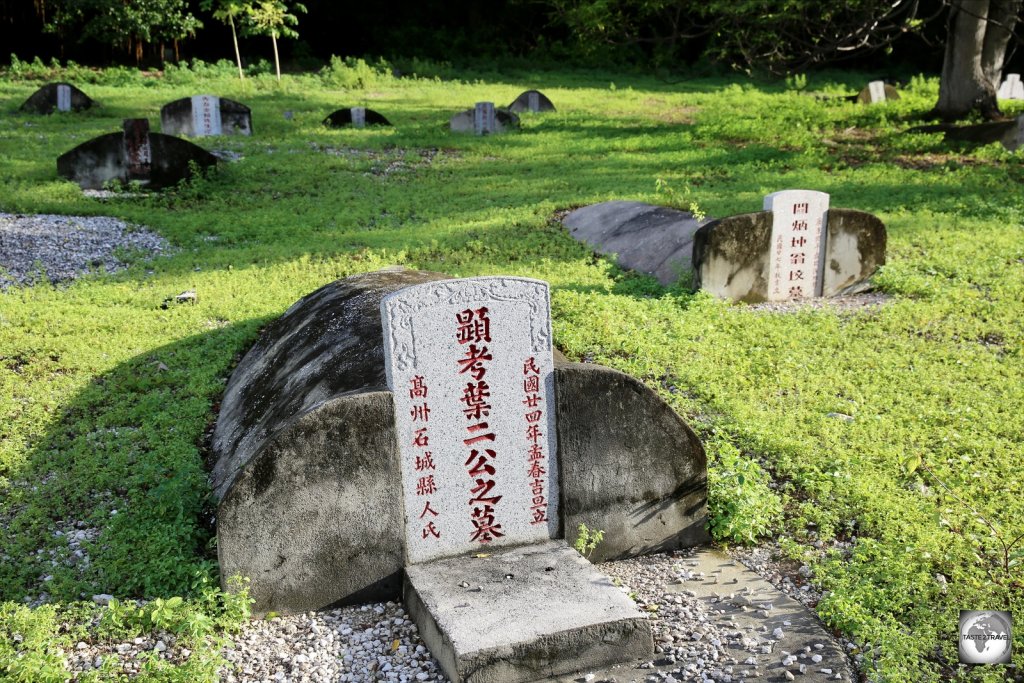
{"x": 741, "y": 505}
{"x": 587, "y": 540}
{"x": 30, "y": 649}
{"x": 353, "y": 73}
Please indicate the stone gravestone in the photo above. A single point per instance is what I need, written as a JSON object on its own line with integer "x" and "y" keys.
{"x": 1011, "y": 88}
{"x": 798, "y": 249}
{"x": 135, "y": 154}
{"x": 357, "y": 117}
{"x": 205, "y": 115}
{"x": 875, "y": 92}
{"x": 532, "y": 101}
{"x": 57, "y": 97}
{"x": 484, "y": 119}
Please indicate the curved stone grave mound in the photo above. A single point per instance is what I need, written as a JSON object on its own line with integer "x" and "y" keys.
{"x": 152, "y": 159}
{"x": 877, "y": 91}
{"x": 309, "y": 476}
{"x": 484, "y": 119}
{"x": 57, "y": 97}
{"x": 203, "y": 115}
{"x": 357, "y": 117}
{"x": 646, "y": 238}
{"x": 532, "y": 101}
{"x": 1010, "y": 134}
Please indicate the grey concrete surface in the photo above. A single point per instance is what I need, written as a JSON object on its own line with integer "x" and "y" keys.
{"x": 523, "y": 614}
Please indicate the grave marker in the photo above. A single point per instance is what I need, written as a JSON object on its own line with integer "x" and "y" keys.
{"x": 63, "y": 97}
{"x": 359, "y": 117}
{"x": 796, "y": 261}
{"x": 484, "y": 118}
{"x": 206, "y": 115}
{"x": 876, "y": 90}
{"x": 1012, "y": 88}
{"x": 56, "y": 97}
{"x": 138, "y": 153}
{"x": 470, "y": 365}
{"x": 532, "y": 101}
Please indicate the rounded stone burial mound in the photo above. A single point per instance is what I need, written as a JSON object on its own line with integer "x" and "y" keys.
{"x": 532, "y": 101}
{"x": 307, "y": 474}
{"x": 643, "y": 237}
{"x": 732, "y": 255}
{"x": 357, "y": 117}
{"x": 478, "y": 122}
{"x": 888, "y": 92}
{"x": 203, "y": 115}
{"x": 57, "y": 97}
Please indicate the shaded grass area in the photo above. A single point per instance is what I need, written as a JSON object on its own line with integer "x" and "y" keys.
{"x": 105, "y": 397}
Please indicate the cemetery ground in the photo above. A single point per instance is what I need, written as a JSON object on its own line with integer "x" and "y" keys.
{"x": 879, "y": 445}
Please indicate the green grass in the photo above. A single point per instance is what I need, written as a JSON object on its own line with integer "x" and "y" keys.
{"x": 90, "y": 422}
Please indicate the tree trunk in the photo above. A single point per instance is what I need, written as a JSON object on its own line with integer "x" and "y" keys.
{"x": 978, "y": 35}
{"x": 277, "y": 62}
{"x": 238, "y": 55}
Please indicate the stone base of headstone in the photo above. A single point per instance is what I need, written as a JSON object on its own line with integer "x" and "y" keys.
{"x": 345, "y": 117}
{"x": 523, "y": 614}
{"x": 57, "y": 97}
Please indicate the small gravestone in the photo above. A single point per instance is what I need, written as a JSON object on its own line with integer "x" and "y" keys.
{"x": 1012, "y": 88}
{"x": 484, "y": 119}
{"x": 53, "y": 97}
{"x": 205, "y": 115}
{"x": 357, "y": 117}
{"x": 876, "y": 92}
{"x": 797, "y": 248}
{"x": 135, "y": 154}
{"x": 531, "y": 101}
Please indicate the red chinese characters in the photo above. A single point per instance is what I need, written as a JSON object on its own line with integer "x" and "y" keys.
{"x": 535, "y": 458}
{"x": 473, "y": 330}
{"x": 426, "y": 485}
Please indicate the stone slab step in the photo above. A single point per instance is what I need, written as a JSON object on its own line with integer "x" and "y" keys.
{"x": 523, "y": 614}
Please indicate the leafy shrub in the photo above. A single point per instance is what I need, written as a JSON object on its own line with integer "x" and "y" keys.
{"x": 741, "y": 507}
{"x": 356, "y": 74}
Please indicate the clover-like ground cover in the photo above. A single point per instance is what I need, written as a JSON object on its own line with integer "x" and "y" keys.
{"x": 106, "y": 396}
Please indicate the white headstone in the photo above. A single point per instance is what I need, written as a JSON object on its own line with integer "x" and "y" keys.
{"x": 876, "y": 90}
{"x": 63, "y": 97}
{"x": 533, "y": 101}
{"x": 484, "y": 121}
{"x": 358, "y": 117}
{"x": 798, "y": 243}
{"x": 469, "y": 363}
{"x": 206, "y": 115}
{"x": 1016, "y": 87}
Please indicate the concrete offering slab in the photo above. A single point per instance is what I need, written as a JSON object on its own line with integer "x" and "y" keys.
{"x": 798, "y": 225}
{"x": 205, "y": 115}
{"x": 480, "y": 121}
{"x": 470, "y": 366}
{"x": 877, "y": 91}
{"x": 531, "y": 101}
{"x": 53, "y": 97}
{"x": 357, "y": 117}
{"x": 649, "y": 239}
{"x": 523, "y": 614}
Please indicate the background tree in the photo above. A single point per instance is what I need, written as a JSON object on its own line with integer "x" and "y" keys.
{"x": 228, "y": 11}
{"x": 273, "y": 18}
{"x": 135, "y": 24}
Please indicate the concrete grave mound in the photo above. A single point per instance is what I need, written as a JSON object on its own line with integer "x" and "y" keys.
{"x": 357, "y": 117}
{"x": 877, "y": 91}
{"x": 152, "y": 159}
{"x": 309, "y": 456}
{"x": 649, "y": 239}
{"x": 57, "y": 97}
{"x": 532, "y": 101}
{"x": 484, "y": 119}
{"x": 203, "y": 115}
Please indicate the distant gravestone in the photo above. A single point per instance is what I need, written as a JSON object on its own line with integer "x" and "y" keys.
{"x": 1012, "y": 88}
{"x": 357, "y": 117}
{"x": 877, "y": 91}
{"x": 798, "y": 221}
{"x": 484, "y": 119}
{"x": 62, "y": 97}
{"x": 205, "y": 115}
{"x": 532, "y": 101}
{"x": 469, "y": 363}
{"x": 135, "y": 154}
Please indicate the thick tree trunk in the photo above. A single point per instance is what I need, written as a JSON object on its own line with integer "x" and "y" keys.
{"x": 238, "y": 55}
{"x": 979, "y": 32}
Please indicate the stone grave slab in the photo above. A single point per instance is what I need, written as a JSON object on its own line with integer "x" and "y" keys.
{"x": 357, "y": 117}
{"x": 795, "y": 264}
{"x": 649, "y": 239}
{"x": 876, "y": 92}
{"x": 523, "y": 614}
{"x": 53, "y": 97}
{"x": 205, "y": 115}
{"x": 1011, "y": 88}
{"x": 470, "y": 366}
{"x": 531, "y": 101}
{"x": 484, "y": 119}
{"x": 135, "y": 154}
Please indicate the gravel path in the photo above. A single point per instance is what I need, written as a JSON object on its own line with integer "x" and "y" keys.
{"x": 62, "y": 248}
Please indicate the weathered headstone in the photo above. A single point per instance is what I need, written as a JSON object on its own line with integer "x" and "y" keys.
{"x": 1011, "y": 88}
{"x": 204, "y": 115}
{"x": 135, "y": 154}
{"x": 798, "y": 222}
{"x": 484, "y": 119}
{"x": 52, "y": 97}
{"x": 469, "y": 364}
{"x": 532, "y": 101}
{"x": 877, "y": 91}
{"x": 801, "y": 248}
{"x": 357, "y": 117}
